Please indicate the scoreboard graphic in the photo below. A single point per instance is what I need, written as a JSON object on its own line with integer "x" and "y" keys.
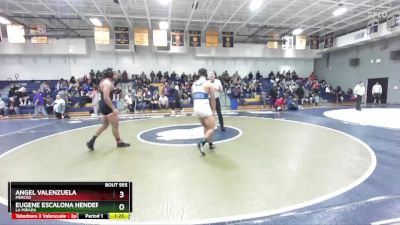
{"x": 69, "y": 200}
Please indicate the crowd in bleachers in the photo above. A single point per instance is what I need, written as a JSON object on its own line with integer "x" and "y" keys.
{"x": 136, "y": 93}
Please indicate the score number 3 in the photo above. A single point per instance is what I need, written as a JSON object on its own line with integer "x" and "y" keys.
{"x": 121, "y": 206}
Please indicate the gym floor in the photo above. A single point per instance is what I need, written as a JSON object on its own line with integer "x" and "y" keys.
{"x": 302, "y": 167}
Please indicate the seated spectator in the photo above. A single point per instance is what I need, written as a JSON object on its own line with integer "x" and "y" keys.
{"x": 38, "y": 102}
{"x": 314, "y": 99}
{"x": 23, "y": 96}
{"x": 154, "y": 102}
{"x": 163, "y": 101}
{"x": 291, "y": 103}
{"x": 338, "y": 95}
{"x": 279, "y": 104}
{"x": 140, "y": 102}
{"x": 13, "y": 91}
{"x": 12, "y": 106}
{"x": 312, "y": 77}
{"x": 45, "y": 87}
{"x": 48, "y": 100}
{"x": 59, "y": 107}
{"x": 129, "y": 104}
{"x": 117, "y": 94}
{"x": 2, "y": 108}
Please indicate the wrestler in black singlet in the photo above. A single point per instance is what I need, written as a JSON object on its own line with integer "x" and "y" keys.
{"x": 104, "y": 108}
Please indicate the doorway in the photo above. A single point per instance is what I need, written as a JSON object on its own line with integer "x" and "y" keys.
{"x": 384, "y": 83}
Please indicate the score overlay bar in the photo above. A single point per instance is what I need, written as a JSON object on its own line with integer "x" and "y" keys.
{"x": 70, "y": 200}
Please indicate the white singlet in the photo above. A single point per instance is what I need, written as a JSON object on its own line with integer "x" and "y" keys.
{"x": 201, "y": 102}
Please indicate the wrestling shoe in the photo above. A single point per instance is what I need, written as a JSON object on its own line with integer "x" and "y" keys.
{"x": 123, "y": 144}
{"x": 90, "y": 145}
{"x": 200, "y": 145}
{"x": 211, "y": 145}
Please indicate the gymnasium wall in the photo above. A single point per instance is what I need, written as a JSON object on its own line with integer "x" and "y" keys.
{"x": 337, "y": 70}
{"x": 58, "y": 66}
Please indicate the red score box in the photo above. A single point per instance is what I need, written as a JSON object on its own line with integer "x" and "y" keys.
{"x": 43, "y": 216}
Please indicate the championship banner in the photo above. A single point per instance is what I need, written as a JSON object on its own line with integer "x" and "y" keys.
{"x": 329, "y": 38}
{"x": 273, "y": 38}
{"x": 15, "y": 33}
{"x": 393, "y": 22}
{"x": 194, "y": 38}
{"x": 38, "y": 30}
{"x": 287, "y": 42}
{"x": 314, "y": 41}
{"x": 177, "y": 37}
{"x": 160, "y": 38}
{"x": 101, "y": 35}
{"x": 227, "y": 39}
{"x": 141, "y": 36}
{"x": 212, "y": 39}
{"x": 373, "y": 27}
{"x": 272, "y": 44}
{"x": 301, "y": 41}
{"x": 121, "y": 37}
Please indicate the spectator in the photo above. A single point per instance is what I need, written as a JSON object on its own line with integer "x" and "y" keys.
{"x": 59, "y": 107}
{"x": 13, "y": 91}
{"x": 48, "y": 101}
{"x": 140, "y": 102}
{"x": 258, "y": 75}
{"x": 377, "y": 92}
{"x": 45, "y": 87}
{"x": 273, "y": 93}
{"x": 129, "y": 104}
{"x": 12, "y": 106}
{"x": 2, "y": 107}
{"x": 291, "y": 103}
{"x": 154, "y": 102}
{"x": 163, "y": 101}
{"x": 279, "y": 104}
{"x": 143, "y": 76}
{"x": 39, "y": 103}
{"x": 124, "y": 77}
{"x": 159, "y": 76}
{"x": 338, "y": 95}
{"x": 300, "y": 94}
{"x": 95, "y": 95}
{"x": 73, "y": 80}
{"x": 23, "y": 96}
{"x": 176, "y": 102}
{"x": 314, "y": 99}
{"x": 152, "y": 76}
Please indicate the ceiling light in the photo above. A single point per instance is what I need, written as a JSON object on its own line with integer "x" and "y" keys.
{"x": 164, "y": 2}
{"x": 340, "y": 11}
{"x": 164, "y": 25}
{"x": 4, "y": 20}
{"x": 255, "y": 4}
{"x": 297, "y": 31}
{"x": 95, "y": 22}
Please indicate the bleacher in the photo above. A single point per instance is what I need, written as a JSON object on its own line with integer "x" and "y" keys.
{"x": 74, "y": 108}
